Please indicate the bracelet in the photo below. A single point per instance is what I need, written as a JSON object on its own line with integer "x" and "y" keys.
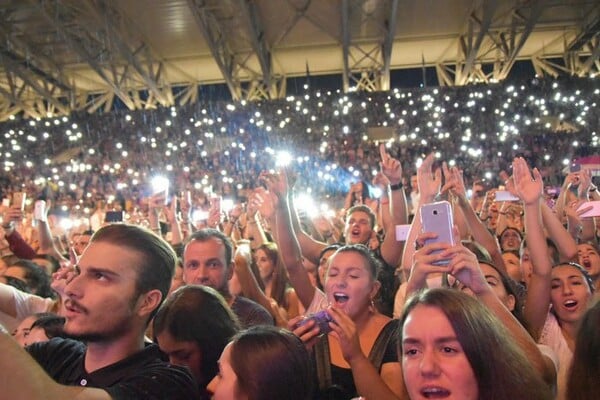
{"x": 397, "y": 186}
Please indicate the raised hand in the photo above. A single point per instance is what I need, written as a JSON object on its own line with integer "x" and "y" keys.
{"x": 345, "y": 330}
{"x": 264, "y": 201}
{"x": 528, "y": 188}
{"x": 585, "y": 181}
{"x": 429, "y": 181}
{"x": 381, "y": 181}
{"x": 390, "y": 167}
{"x": 65, "y": 274}
{"x": 464, "y": 266}
{"x": 454, "y": 182}
{"x": 424, "y": 259}
{"x": 308, "y": 332}
{"x": 276, "y": 183}
{"x": 236, "y": 212}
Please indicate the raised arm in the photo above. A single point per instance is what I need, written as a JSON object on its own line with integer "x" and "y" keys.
{"x": 47, "y": 245}
{"x": 289, "y": 249}
{"x": 429, "y": 182}
{"x": 455, "y": 184}
{"x": 250, "y": 286}
{"x": 391, "y": 250}
{"x": 588, "y": 225}
{"x": 529, "y": 189}
{"x": 310, "y": 248}
{"x": 464, "y": 266}
{"x": 16, "y": 243}
{"x": 565, "y": 243}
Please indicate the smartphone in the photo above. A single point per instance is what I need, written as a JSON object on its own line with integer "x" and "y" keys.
{"x": 402, "y": 232}
{"x": 114, "y": 216}
{"x": 18, "y": 199}
{"x": 575, "y": 167}
{"x": 39, "y": 210}
{"x": 437, "y": 217}
{"x": 594, "y": 212}
{"x": 505, "y": 195}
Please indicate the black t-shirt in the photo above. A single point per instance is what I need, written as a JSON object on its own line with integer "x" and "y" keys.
{"x": 141, "y": 376}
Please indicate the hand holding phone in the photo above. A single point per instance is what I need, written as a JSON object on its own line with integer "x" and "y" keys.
{"x": 590, "y": 209}
{"x": 437, "y": 218}
{"x": 505, "y": 195}
{"x": 18, "y": 200}
{"x": 39, "y": 211}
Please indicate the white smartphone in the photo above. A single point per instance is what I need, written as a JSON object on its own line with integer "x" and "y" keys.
{"x": 39, "y": 211}
{"x": 402, "y": 232}
{"x": 437, "y": 218}
{"x": 505, "y": 195}
{"x": 593, "y": 212}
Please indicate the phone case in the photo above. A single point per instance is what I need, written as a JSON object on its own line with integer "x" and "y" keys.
{"x": 505, "y": 195}
{"x": 39, "y": 211}
{"x": 593, "y": 212}
{"x": 19, "y": 199}
{"x": 114, "y": 216}
{"x": 437, "y": 217}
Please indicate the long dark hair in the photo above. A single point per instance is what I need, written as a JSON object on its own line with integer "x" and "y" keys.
{"x": 500, "y": 367}
{"x": 271, "y": 363}
{"x": 198, "y": 314}
{"x": 584, "y": 374}
{"x": 281, "y": 281}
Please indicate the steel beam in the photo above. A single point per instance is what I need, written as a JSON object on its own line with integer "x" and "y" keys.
{"x": 257, "y": 38}
{"x": 471, "y": 47}
{"x": 536, "y": 11}
{"x": 217, "y": 42}
{"x": 346, "y": 43}
{"x": 105, "y": 18}
{"x": 388, "y": 43}
{"x": 76, "y": 42}
{"x": 366, "y": 66}
{"x": 25, "y": 75}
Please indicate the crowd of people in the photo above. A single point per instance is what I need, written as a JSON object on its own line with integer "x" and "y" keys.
{"x": 175, "y": 253}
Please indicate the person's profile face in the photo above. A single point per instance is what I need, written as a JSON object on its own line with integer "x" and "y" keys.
{"x": 182, "y": 352}
{"x": 80, "y": 242}
{"x": 21, "y": 333}
{"x": 323, "y": 264}
{"x": 224, "y": 386}
{"x": 434, "y": 364}
{"x": 265, "y": 264}
{"x": 204, "y": 264}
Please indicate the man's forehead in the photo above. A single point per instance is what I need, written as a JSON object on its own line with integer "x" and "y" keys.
{"x": 358, "y": 215}
{"x": 210, "y": 248}
{"x": 111, "y": 255}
